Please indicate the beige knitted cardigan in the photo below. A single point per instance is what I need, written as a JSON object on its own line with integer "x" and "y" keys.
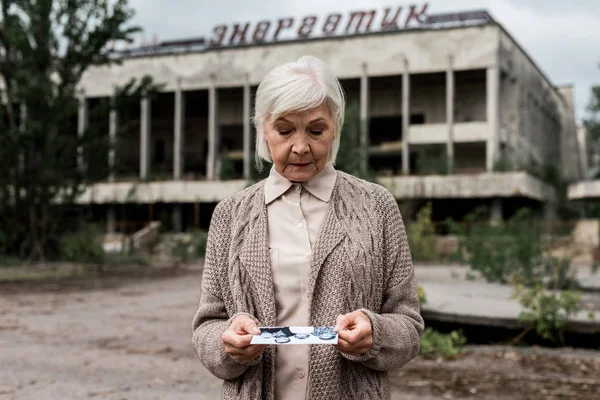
{"x": 361, "y": 261}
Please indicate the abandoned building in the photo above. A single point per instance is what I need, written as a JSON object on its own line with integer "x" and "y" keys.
{"x": 451, "y": 105}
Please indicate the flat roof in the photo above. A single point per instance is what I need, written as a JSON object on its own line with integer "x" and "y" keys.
{"x": 199, "y": 44}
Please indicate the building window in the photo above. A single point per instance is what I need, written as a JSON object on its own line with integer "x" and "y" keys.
{"x": 159, "y": 151}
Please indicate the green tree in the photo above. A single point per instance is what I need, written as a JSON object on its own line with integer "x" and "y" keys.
{"x": 592, "y": 125}
{"x": 45, "y": 48}
{"x": 350, "y": 153}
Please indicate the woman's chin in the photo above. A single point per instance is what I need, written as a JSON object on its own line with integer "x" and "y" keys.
{"x": 301, "y": 173}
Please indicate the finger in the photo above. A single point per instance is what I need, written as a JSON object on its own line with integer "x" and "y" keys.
{"x": 353, "y": 335}
{"x": 252, "y": 351}
{"x": 235, "y": 340}
{"x": 249, "y": 326}
{"x": 341, "y": 322}
{"x": 249, "y": 353}
{"x": 353, "y": 349}
{"x": 345, "y": 347}
{"x": 238, "y": 323}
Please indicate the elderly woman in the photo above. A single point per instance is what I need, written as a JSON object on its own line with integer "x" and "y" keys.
{"x": 308, "y": 246}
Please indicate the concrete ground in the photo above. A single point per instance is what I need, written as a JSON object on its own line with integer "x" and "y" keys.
{"x": 131, "y": 339}
{"x": 452, "y": 297}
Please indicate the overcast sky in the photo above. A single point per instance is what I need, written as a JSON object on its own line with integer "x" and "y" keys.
{"x": 562, "y": 37}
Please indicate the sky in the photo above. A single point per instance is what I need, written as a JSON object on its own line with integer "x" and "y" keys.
{"x": 561, "y": 37}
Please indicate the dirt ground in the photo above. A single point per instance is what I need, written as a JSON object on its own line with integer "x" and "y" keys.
{"x": 131, "y": 339}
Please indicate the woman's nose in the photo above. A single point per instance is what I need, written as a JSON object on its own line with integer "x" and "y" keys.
{"x": 300, "y": 146}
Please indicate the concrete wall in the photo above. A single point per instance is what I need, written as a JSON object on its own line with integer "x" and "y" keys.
{"x": 535, "y": 119}
{"x": 570, "y": 150}
{"x": 384, "y": 54}
{"x": 484, "y": 185}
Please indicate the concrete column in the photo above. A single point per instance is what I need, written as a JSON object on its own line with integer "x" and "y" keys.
{"x": 111, "y": 220}
{"x": 213, "y": 103}
{"x": 406, "y": 119}
{"x": 550, "y": 210}
{"x": 450, "y": 113}
{"x": 113, "y": 121}
{"x": 82, "y": 124}
{"x": 177, "y": 218}
{"x": 247, "y": 135}
{"x": 179, "y": 134}
{"x": 496, "y": 210}
{"x": 364, "y": 119}
{"x": 145, "y": 130}
{"x": 493, "y": 114}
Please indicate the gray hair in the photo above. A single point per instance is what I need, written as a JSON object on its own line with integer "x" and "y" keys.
{"x": 295, "y": 87}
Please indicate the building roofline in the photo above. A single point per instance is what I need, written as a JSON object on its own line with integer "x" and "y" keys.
{"x": 435, "y": 22}
{"x": 532, "y": 61}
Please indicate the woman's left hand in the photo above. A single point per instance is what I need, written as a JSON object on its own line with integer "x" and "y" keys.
{"x": 355, "y": 333}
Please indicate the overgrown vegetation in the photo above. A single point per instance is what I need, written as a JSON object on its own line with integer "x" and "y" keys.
{"x": 351, "y": 151}
{"x": 430, "y": 163}
{"x": 515, "y": 251}
{"x": 422, "y": 295}
{"x": 83, "y": 245}
{"x": 510, "y": 251}
{"x": 227, "y": 167}
{"x": 435, "y": 344}
{"x": 46, "y": 47}
{"x": 421, "y": 236}
{"x": 545, "y": 312}
{"x": 592, "y": 127}
{"x": 190, "y": 247}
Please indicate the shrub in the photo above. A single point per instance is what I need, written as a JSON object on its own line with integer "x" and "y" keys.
{"x": 510, "y": 251}
{"x": 227, "y": 169}
{"x": 547, "y": 312}
{"x": 83, "y": 245}
{"x": 191, "y": 248}
{"x": 422, "y": 295}
{"x": 421, "y": 236}
{"x": 435, "y": 344}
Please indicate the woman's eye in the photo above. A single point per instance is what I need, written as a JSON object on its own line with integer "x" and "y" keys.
{"x": 285, "y": 132}
{"x": 316, "y": 132}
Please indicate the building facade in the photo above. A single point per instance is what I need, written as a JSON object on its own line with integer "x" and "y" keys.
{"x": 451, "y": 90}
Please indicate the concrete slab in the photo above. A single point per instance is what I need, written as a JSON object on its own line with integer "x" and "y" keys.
{"x": 585, "y": 190}
{"x": 453, "y": 298}
{"x": 467, "y": 186}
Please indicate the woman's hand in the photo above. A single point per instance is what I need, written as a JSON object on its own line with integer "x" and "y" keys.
{"x": 237, "y": 340}
{"x": 355, "y": 333}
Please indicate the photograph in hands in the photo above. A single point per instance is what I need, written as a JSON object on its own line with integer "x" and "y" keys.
{"x": 284, "y": 335}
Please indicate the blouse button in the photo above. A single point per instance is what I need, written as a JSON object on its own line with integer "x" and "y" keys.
{"x": 300, "y": 225}
{"x": 301, "y": 374}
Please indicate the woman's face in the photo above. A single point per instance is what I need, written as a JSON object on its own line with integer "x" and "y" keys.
{"x": 300, "y": 142}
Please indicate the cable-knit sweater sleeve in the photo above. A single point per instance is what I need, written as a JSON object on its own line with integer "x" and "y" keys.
{"x": 211, "y": 318}
{"x": 398, "y": 325}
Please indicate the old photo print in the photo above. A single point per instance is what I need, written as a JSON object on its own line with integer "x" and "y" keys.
{"x": 285, "y": 335}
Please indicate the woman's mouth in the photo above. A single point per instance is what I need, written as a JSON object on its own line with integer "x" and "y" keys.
{"x": 301, "y": 165}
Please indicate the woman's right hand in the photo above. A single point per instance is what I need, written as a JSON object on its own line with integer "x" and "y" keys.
{"x": 237, "y": 340}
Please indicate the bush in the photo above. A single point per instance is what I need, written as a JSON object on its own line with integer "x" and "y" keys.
{"x": 510, "y": 251}
{"x": 547, "y": 312}
{"x": 421, "y": 236}
{"x": 83, "y": 245}
{"x": 422, "y": 295}
{"x": 227, "y": 169}
{"x": 435, "y": 344}
{"x": 191, "y": 248}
